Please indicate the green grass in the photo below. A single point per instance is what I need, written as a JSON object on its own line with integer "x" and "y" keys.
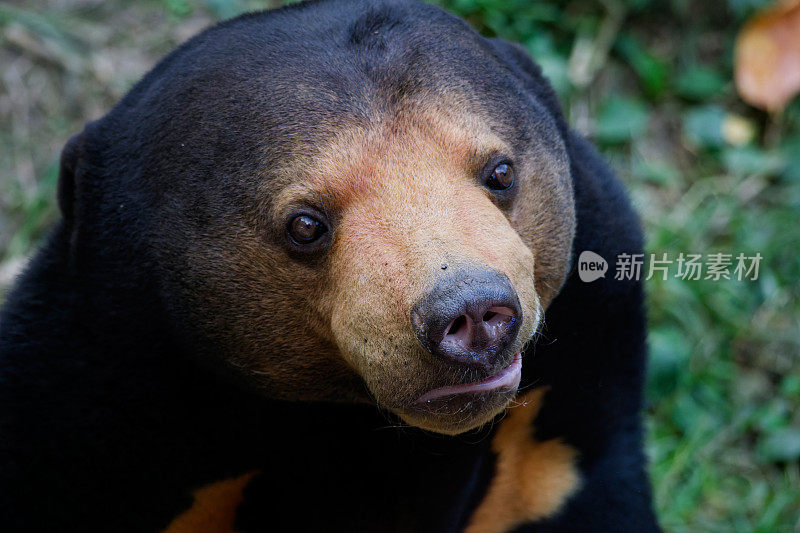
{"x": 650, "y": 83}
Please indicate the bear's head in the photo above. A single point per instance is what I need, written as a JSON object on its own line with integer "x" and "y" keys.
{"x": 341, "y": 202}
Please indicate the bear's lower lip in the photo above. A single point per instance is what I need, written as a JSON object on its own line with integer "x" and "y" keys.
{"x": 507, "y": 378}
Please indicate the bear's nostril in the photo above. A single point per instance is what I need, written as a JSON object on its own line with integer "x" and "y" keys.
{"x": 458, "y": 335}
{"x": 456, "y": 325}
{"x": 497, "y": 316}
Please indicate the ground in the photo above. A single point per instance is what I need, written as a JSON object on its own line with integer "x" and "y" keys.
{"x": 650, "y": 82}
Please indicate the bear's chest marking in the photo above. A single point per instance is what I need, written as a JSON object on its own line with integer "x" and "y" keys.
{"x": 214, "y": 507}
{"x": 532, "y": 479}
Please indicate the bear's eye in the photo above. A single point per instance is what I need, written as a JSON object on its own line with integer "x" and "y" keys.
{"x": 501, "y": 178}
{"x": 305, "y": 229}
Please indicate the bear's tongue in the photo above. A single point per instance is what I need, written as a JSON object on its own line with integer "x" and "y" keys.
{"x": 507, "y": 378}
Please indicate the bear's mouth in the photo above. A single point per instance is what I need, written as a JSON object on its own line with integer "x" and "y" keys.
{"x": 506, "y": 379}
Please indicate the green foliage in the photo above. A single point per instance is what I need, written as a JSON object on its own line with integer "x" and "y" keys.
{"x": 700, "y": 83}
{"x": 34, "y": 208}
{"x": 650, "y": 81}
{"x": 652, "y": 71}
{"x": 704, "y": 126}
{"x": 620, "y": 119}
{"x": 781, "y": 444}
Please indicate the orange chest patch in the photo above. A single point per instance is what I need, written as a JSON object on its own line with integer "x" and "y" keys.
{"x": 214, "y": 507}
{"x": 532, "y": 479}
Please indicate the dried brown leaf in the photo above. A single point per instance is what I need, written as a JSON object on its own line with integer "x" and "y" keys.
{"x": 767, "y": 62}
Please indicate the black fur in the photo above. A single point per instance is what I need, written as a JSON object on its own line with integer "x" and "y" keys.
{"x": 107, "y": 418}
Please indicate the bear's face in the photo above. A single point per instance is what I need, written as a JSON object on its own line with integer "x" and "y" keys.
{"x": 345, "y": 219}
{"x": 363, "y": 231}
{"x": 400, "y": 209}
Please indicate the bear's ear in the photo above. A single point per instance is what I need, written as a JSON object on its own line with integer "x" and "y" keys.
{"x": 67, "y": 176}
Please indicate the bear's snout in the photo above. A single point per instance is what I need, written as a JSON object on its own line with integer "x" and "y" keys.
{"x": 469, "y": 318}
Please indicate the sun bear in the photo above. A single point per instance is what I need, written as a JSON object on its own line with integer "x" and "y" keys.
{"x": 317, "y": 272}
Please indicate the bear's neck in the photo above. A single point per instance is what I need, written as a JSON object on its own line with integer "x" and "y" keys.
{"x": 125, "y": 402}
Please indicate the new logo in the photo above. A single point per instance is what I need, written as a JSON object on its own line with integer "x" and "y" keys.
{"x": 591, "y": 266}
